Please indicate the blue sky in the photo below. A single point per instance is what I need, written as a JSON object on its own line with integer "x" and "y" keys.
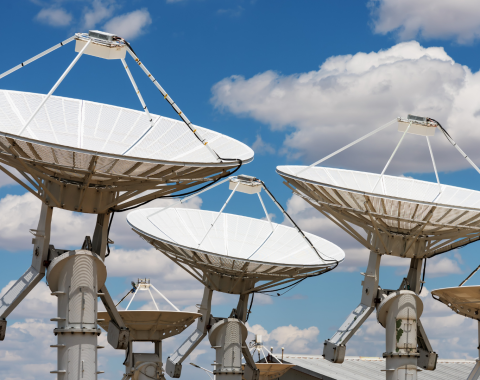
{"x": 293, "y": 80}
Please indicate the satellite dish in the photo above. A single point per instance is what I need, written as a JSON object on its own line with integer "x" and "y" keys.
{"x": 270, "y": 366}
{"x": 77, "y": 148}
{"x": 237, "y": 255}
{"x": 148, "y": 326}
{"x": 273, "y": 371}
{"x": 236, "y": 246}
{"x": 400, "y": 217}
{"x": 97, "y": 158}
{"x": 463, "y": 300}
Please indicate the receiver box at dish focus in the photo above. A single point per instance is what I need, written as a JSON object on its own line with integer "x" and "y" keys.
{"x": 105, "y": 50}
{"x": 245, "y": 187}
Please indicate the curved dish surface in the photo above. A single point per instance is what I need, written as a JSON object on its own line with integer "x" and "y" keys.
{"x": 272, "y": 371}
{"x": 146, "y": 320}
{"x": 86, "y": 127}
{"x": 401, "y": 203}
{"x": 72, "y": 154}
{"x": 236, "y": 244}
{"x": 463, "y": 300}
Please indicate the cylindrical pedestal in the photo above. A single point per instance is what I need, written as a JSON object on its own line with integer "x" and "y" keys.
{"x": 145, "y": 366}
{"x": 226, "y": 337}
{"x": 75, "y": 278}
{"x": 399, "y": 313}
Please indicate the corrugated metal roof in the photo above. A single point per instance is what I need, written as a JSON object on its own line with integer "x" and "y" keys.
{"x": 367, "y": 368}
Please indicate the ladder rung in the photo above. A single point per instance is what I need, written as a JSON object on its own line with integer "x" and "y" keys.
{"x": 367, "y": 275}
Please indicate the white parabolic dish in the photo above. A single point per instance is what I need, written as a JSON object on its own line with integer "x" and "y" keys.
{"x": 89, "y": 127}
{"x": 78, "y": 141}
{"x": 236, "y": 245}
{"x": 401, "y": 205}
{"x": 463, "y": 300}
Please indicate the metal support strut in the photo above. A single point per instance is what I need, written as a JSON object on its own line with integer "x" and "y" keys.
{"x": 25, "y": 63}
{"x": 60, "y": 80}
{"x": 172, "y": 103}
{"x": 334, "y": 348}
{"x": 175, "y": 360}
{"x": 149, "y": 117}
{"x": 34, "y": 274}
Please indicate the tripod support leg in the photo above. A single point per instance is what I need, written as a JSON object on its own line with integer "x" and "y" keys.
{"x": 174, "y": 361}
{"x": 34, "y": 274}
{"x": 334, "y": 348}
{"x": 251, "y": 370}
{"x": 428, "y": 358}
{"x": 118, "y": 333}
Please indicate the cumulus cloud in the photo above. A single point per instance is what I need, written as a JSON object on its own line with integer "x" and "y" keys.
{"x": 57, "y": 17}
{"x": 262, "y": 147}
{"x": 97, "y": 12}
{"x": 20, "y": 213}
{"x": 429, "y": 19}
{"x": 23, "y": 341}
{"x": 6, "y": 180}
{"x": 39, "y": 303}
{"x": 295, "y": 339}
{"x": 350, "y": 95}
{"x": 129, "y": 25}
{"x": 441, "y": 265}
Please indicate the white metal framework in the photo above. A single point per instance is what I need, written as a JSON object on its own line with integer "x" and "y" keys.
{"x": 399, "y": 217}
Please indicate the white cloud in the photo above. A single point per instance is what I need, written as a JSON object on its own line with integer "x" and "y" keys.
{"x": 57, "y": 17}
{"x": 351, "y": 95}
{"x": 23, "y": 341}
{"x": 441, "y": 266}
{"x": 129, "y": 25}
{"x": 39, "y": 303}
{"x": 99, "y": 11}
{"x": 262, "y": 147}
{"x": 5, "y": 180}
{"x": 19, "y": 213}
{"x": 458, "y": 19}
{"x": 294, "y": 339}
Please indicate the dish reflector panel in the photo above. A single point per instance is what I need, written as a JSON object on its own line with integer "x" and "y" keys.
{"x": 110, "y": 130}
{"x": 401, "y": 205}
{"x": 235, "y": 243}
{"x": 463, "y": 300}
